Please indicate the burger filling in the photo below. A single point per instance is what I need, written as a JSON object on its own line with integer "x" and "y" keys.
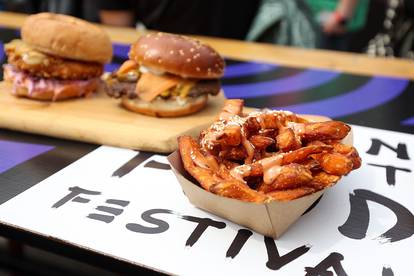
{"x": 37, "y": 86}
{"x": 28, "y": 59}
{"x": 147, "y": 85}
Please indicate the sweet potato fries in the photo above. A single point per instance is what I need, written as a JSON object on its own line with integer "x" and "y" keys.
{"x": 267, "y": 155}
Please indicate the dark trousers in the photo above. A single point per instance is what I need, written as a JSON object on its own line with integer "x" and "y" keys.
{"x": 335, "y": 42}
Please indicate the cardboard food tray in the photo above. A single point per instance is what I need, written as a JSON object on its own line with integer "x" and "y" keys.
{"x": 270, "y": 219}
{"x": 101, "y": 120}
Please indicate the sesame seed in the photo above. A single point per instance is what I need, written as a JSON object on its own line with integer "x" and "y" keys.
{"x": 181, "y": 52}
{"x": 159, "y": 60}
{"x": 198, "y": 69}
{"x": 171, "y": 52}
{"x": 188, "y": 59}
{"x": 192, "y": 50}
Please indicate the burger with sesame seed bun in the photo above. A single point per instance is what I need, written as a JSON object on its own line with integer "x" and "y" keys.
{"x": 167, "y": 75}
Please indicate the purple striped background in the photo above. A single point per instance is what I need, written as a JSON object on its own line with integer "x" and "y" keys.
{"x": 14, "y": 153}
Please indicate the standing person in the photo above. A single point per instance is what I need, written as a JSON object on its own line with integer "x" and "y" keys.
{"x": 284, "y": 22}
{"x": 85, "y": 9}
{"x": 396, "y": 39}
{"x": 230, "y": 18}
{"x": 337, "y": 20}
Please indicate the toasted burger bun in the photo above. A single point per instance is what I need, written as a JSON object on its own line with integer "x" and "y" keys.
{"x": 178, "y": 55}
{"x": 67, "y": 36}
{"x": 165, "y": 108}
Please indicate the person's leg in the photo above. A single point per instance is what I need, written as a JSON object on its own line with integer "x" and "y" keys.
{"x": 21, "y": 6}
{"x": 409, "y": 6}
{"x": 335, "y": 42}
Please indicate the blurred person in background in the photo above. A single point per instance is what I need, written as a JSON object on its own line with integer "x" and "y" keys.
{"x": 230, "y": 18}
{"x": 338, "y": 19}
{"x": 284, "y": 22}
{"x": 330, "y": 24}
{"x": 396, "y": 39}
{"x": 79, "y": 8}
{"x": 309, "y": 23}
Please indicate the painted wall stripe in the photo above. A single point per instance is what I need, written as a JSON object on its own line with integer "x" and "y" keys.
{"x": 342, "y": 84}
{"x": 408, "y": 122}
{"x": 377, "y": 91}
{"x": 120, "y": 50}
{"x": 14, "y": 153}
{"x": 110, "y": 67}
{"x": 247, "y": 68}
{"x": 305, "y": 80}
{"x": 1, "y": 51}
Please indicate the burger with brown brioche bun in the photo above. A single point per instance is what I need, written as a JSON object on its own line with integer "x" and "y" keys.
{"x": 58, "y": 57}
{"x": 167, "y": 75}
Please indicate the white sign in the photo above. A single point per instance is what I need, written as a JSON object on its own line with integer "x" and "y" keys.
{"x": 362, "y": 226}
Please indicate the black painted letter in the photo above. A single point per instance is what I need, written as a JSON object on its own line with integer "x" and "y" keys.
{"x": 241, "y": 238}
{"x": 333, "y": 260}
{"x": 401, "y": 149}
{"x": 390, "y": 172}
{"x": 276, "y": 261}
{"x": 203, "y": 224}
{"x": 73, "y": 195}
{"x": 138, "y": 159}
{"x": 162, "y": 226}
{"x": 387, "y": 271}
{"x": 357, "y": 223}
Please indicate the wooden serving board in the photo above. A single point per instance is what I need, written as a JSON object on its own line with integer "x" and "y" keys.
{"x": 101, "y": 120}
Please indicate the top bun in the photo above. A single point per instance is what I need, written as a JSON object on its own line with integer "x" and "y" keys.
{"x": 179, "y": 55}
{"x": 68, "y": 37}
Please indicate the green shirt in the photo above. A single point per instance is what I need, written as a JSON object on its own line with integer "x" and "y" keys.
{"x": 356, "y": 22}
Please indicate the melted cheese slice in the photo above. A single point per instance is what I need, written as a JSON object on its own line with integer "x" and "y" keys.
{"x": 127, "y": 66}
{"x": 149, "y": 86}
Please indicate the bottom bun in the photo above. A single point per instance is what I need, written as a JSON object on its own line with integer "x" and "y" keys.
{"x": 66, "y": 92}
{"x": 165, "y": 108}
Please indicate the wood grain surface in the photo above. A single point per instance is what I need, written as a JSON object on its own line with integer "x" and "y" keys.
{"x": 101, "y": 120}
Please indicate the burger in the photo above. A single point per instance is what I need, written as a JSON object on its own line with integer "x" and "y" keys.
{"x": 58, "y": 57}
{"x": 167, "y": 75}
